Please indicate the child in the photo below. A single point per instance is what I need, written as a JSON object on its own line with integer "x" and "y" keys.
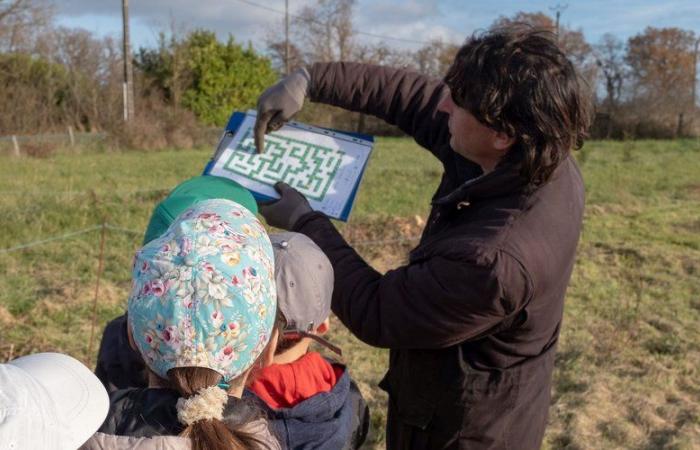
{"x": 311, "y": 403}
{"x": 201, "y": 314}
{"x": 118, "y": 366}
{"x": 49, "y": 400}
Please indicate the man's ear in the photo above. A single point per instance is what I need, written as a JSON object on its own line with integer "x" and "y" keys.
{"x": 503, "y": 142}
{"x": 323, "y": 327}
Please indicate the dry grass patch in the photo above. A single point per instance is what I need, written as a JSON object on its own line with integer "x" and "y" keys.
{"x": 6, "y": 316}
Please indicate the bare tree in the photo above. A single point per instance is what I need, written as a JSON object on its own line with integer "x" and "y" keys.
{"x": 80, "y": 53}
{"x": 661, "y": 62}
{"x": 609, "y": 54}
{"x": 277, "y": 49}
{"x": 435, "y": 58}
{"x": 325, "y": 30}
{"x": 382, "y": 54}
{"x": 21, "y": 22}
{"x": 320, "y": 32}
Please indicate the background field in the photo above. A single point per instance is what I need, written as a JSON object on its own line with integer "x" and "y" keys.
{"x": 628, "y": 369}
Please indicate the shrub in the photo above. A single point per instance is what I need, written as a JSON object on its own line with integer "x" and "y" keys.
{"x": 158, "y": 126}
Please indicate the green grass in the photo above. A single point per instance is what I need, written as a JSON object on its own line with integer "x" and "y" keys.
{"x": 627, "y": 373}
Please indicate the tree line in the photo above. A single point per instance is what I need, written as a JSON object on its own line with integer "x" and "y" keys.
{"x": 52, "y": 77}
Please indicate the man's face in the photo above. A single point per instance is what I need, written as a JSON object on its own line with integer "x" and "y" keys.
{"x": 471, "y": 139}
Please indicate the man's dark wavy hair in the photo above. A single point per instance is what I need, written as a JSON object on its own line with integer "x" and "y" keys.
{"x": 517, "y": 80}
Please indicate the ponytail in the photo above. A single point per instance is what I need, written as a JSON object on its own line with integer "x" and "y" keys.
{"x": 209, "y": 433}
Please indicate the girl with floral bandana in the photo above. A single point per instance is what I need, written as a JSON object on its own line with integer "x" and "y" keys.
{"x": 202, "y": 315}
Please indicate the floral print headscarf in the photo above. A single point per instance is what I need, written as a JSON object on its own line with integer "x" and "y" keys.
{"x": 204, "y": 293}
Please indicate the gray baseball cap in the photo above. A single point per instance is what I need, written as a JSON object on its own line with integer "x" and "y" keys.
{"x": 304, "y": 278}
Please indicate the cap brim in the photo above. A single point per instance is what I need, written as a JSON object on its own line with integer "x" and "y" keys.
{"x": 80, "y": 400}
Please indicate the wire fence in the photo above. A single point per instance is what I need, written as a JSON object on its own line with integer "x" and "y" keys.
{"x": 9, "y": 351}
{"x": 41, "y": 144}
{"x": 37, "y": 144}
{"x": 110, "y": 227}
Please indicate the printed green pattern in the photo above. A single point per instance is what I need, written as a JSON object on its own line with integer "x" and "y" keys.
{"x": 307, "y": 167}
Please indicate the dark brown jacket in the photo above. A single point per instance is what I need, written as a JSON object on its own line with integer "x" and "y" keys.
{"x": 473, "y": 319}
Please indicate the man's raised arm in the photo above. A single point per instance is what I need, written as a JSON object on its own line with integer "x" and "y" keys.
{"x": 400, "y": 97}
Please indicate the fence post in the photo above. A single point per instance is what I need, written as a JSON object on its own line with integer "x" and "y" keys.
{"x": 679, "y": 129}
{"x": 71, "y": 136}
{"x": 15, "y": 144}
{"x": 100, "y": 267}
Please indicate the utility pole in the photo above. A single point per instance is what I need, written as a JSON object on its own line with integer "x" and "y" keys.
{"x": 694, "y": 84}
{"x": 695, "y": 76}
{"x": 128, "y": 86}
{"x": 558, "y": 10}
{"x": 286, "y": 37}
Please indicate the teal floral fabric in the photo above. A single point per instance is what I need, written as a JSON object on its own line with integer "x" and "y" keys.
{"x": 204, "y": 293}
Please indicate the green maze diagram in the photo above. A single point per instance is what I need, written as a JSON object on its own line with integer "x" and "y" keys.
{"x": 307, "y": 167}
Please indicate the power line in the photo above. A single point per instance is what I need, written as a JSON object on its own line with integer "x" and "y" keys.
{"x": 107, "y": 226}
{"x": 363, "y": 33}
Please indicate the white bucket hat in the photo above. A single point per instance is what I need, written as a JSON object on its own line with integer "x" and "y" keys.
{"x": 49, "y": 400}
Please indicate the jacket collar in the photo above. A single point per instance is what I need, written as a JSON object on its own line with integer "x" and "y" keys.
{"x": 149, "y": 412}
{"x": 505, "y": 179}
{"x": 286, "y": 385}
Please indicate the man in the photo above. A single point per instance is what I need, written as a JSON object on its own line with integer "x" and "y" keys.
{"x": 473, "y": 319}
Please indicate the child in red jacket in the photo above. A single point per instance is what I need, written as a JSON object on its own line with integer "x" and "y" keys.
{"x": 310, "y": 402}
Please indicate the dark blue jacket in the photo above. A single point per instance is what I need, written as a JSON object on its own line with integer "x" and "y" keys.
{"x": 333, "y": 420}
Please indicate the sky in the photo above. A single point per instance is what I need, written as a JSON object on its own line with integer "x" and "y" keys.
{"x": 405, "y": 23}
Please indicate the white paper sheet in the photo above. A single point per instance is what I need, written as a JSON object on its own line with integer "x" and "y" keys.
{"x": 325, "y": 166}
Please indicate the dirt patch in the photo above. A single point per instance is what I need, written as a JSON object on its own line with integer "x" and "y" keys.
{"x": 6, "y": 316}
{"x": 693, "y": 226}
{"x": 108, "y": 295}
{"x": 42, "y": 151}
{"x": 605, "y": 209}
{"x": 693, "y": 191}
{"x": 385, "y": 243}
{"x": 71, "y": 296}
{"x": 385, "y": 229}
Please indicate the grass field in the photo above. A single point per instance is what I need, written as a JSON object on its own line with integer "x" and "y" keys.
{"x": 628, "y": 369}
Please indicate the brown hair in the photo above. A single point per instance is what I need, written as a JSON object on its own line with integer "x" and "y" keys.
{"x": 211, "y": 434}
{"x": 285, "y": 343}
{"x": 518, "y": 81}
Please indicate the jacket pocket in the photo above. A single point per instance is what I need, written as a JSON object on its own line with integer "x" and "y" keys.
{"x": 485, "y": 416}
{"x": 414, "y": 384}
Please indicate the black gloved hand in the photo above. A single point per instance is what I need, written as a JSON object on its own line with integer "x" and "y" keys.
{"x": 279, "y": 103}
{"x": 285, "y": 212}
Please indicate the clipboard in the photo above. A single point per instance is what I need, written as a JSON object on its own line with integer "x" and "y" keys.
{"x": 326, "y": 165}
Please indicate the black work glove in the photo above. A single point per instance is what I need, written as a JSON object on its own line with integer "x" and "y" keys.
{"x": 279, "y": 103}
{"x": 285, "y": 212}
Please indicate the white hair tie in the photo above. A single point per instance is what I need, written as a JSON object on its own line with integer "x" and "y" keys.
{"x": 207, "y": 403}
